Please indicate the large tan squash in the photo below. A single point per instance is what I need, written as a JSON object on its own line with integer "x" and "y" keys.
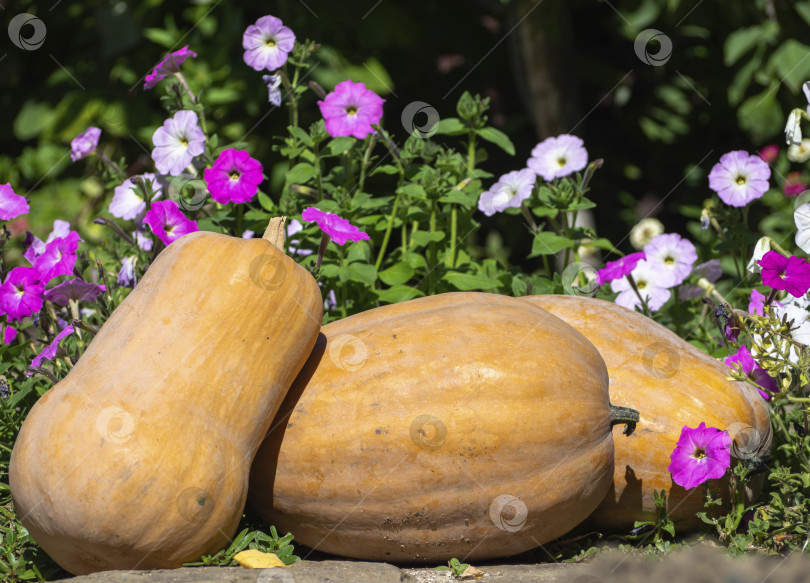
{"x": 461, "y": 425}
{"x": 139, "y": 457}
{"x": 671, "y": 383}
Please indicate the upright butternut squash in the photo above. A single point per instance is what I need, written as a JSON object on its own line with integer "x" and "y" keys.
{"x": 139, "y": 457}
{"x": 461, "y": 425}
{"x": 672, "y": 383}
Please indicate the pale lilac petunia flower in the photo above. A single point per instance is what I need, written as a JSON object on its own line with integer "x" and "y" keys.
{"x": 49, "y": 352}
{"x": 273, "y": 89}
{"x": 701, "y": 454}
{"x": 339, "y": 230}
{"x": 127, "y": 202}
{"x": 351, "y": 109}
{"x": 143, "y": 241}
{"x": 234, "y": 177}
{"x": 84, "y": 144}
{"x": 21, "y": 293}
{"x": 75, "y": 289}
{"x": 12, "y": 205}
{"x": 248, "y": 234}
{"x": 177, "y": 141}
{"x": 509, "y": 192}
{"x": 739, "y": 178}
{"x": 267, "y": 44}
{"x": 558, "y": 157}
{"x": 294, "y": 227}
{"x": 168, "y": 222}
{"x": 648, "y": 281}
{"x": 676, "y": 255}
{"x": 127, "y": 277}
{"x": 169, "y": 65}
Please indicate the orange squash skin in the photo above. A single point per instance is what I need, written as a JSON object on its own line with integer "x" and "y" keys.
{"x": 671, "y": 383}
{"x": 415, "y": 427}
{"x": 139, "y": 457}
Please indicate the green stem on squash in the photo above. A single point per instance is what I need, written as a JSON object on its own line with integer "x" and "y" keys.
{"x": 629, "y": 417}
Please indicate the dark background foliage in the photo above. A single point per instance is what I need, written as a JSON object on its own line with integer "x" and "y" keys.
{"x": 734, "y": 72}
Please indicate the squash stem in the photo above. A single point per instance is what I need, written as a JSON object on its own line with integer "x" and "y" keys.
{"x": 624, "y": 415}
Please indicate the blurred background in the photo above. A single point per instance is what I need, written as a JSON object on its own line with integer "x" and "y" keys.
{"x": 659, "y": 89}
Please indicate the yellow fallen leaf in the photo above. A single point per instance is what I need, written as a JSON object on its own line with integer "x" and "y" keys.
{"x": 472, "y": 573}
{"x": 253, "y": 559}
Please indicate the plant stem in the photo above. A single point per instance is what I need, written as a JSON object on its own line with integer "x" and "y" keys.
{"x": 387, "y": 235}
{"x": 629, "y": 417}
{"x": 364, "y": 165}
{"x": 240, "y": 211}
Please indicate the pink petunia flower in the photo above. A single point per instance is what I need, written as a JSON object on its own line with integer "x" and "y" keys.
{"x": 509, "y": 192}
{"x": 234, "y": 177}
{"x": 558, "y": 157}
{"x": 21, "y": 293}
{"x": 351, "y": 109}
{"x": 267, "y": 44}
{"x": 59, "y": 257}
{"x": 75, "y": 289}
{"x": 84, "y": 144}
{"x": 701, "y": 454}
{"x": 739, "y": 178}
{"x": 49, "y": 352}
{"x": 177, "y": 141}
{"x": 12, "y": 205}
{"x": 168, "y": 222}
{"x": 676, "y": 256}
{"x": 791, "y": 274}
{"x": 127, "y": 202}
{"x": 36, "y": 247}
{"x": 756, "y": 304}
{"x": 9, "y": 334}
{"x": 769, "y": 153}
{"x": 614, "y": 270}
{"x": 339, "y": 230}
{"x": 127, "y": 277}
{"x": 648, "y": 277}
{"x": 794, "y": 184}
{"x": 169, "y": 65}
{"x": 745, "y": 363}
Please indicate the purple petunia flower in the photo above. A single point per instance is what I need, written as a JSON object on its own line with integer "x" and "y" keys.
{"x": 618, "y": 269}
{"x": 59, "y": 257}
{"x": 36, "y": 247}
{"x": 791, "y": 274}
{"x": 267, "y": 44}
{"x": 701, "y": 454}
{"x": 739, "y": 178}
{"x": 127, "y": 277}
{"x": 177, "y": 141}
{"x": 21, "y": 293}
{"x": 9, "y": 334}
{"x": 351, "y": 109}
{"x": 74, "y": 289}
{"x": 234, "y": 177}
{"x": 12, "y": 205}
{"x": 84, "y": 144}
{"x": 169, "y": 65}
{"x": 49, "y": 352}
{"x": 127, "y": 202}
{"x": 509, "y": 192}
{"x": 143, "y": 241}
{"x": 558, "y": 157}
{"x": 746, "y": 364}
{"x": 756, "y": 304}
{"x": 339, "y": 230}
{"x": 273, "y": 89}
{"x": 676, "y": 256}
{"x": 647, "y": 276}
{"x": 168, "y": 222}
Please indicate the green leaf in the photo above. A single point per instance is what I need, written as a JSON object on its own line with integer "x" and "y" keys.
{"x": 385, "y": 169}
{"x": 422, "y": 238}
{"x": 467, "y": 199}
{"x": 803, "y": 8}
{"x": 339, "y": 145}
{"x": 742, "y": 79}
{"x": 469, "y": 282}
{"x": 300, "y": 134}
{"x": 413, "y": 191}
{"x": 359, "y": 251}
{"x": 397, "y": 274}
{"x": 160, "y": 37}
{"x": 740, "y": 42}
{"x": 498, "y": 138}
{"x": 466, "y": 107}
{"x": 398, "y": 293}
{"x": 300, "y": 173}
{"x": 792, "y": 63}
{"x": 451, "y": 126}
{"x": 266, "y": 202}
{"x": 761, "y": 115}
{"x": 603, "y": 243}
{"x": 362, "y": 272}
{"x": 548, "y": 243}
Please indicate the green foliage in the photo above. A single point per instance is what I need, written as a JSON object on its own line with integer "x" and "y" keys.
{"x": 252, "y": 539}
{"x": 455, "y": 566}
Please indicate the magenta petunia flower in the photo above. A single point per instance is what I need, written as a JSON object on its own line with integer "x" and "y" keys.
{"x": 745, "y": 363}
{"x": 168, "y": 222}
{"x": 84, "y": 144}
{"x": 12, "y": 205}
{"x": 267, "y": 44}
{"x": 127, "y": 277}
{"x": 739, "y": 178}
{"x": 791, "y": 274}
{"x": 177, "y": 141}
{"x": 756, "y": 304}
{"x": 21, "y": 293}
{"x": 36, "y": 247}
{"x": 234, "y": 177}
{"x": 127, "y": 202}
{"x": 169, "y": 65}
{"x": 648, "y": 277}
{"x": 59, "y": 257}
{"x": 618, "y": 269}
{"x": 509, "y": 192}
{"x": 558, "y": 157}
{"x": 351, "y": 109}
{"x": 9, "y": 334}
{"x": 339, "y": 230}
{"x": 676, "y": 256}
{"x": 701, "y": 454}
{"x": 75, "y": 289}
{"x": 49, "y": 352}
